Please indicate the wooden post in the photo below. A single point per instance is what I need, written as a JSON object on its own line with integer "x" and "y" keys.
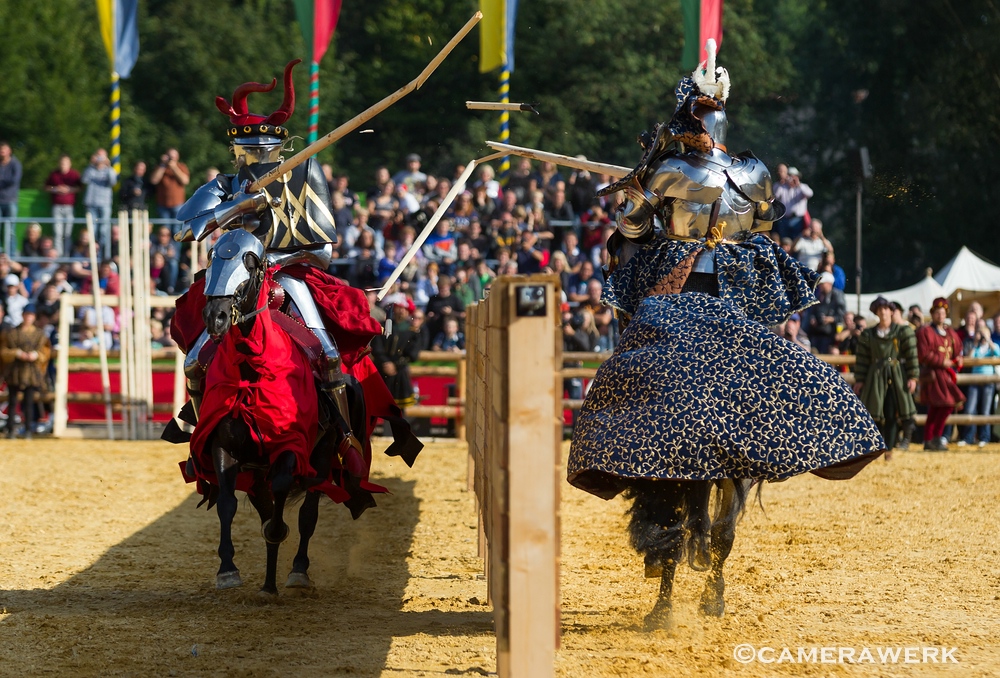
{"x": 125, "y": 314}
{"x": 59, "y": 412}
{"x": 460, "y": 391}
{"x": 514, "y": 409}
{"x": 147, "y": 359}
{"x": 102, "y": 350}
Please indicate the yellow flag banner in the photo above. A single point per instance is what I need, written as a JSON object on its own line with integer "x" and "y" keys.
{"x": 105, "y": 12}
{"x": 492, "y": 35}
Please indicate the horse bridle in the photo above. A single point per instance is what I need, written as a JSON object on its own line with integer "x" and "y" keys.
{"x": 236, "y": 316}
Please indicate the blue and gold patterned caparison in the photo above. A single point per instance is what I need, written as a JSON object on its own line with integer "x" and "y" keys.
{"x": 699, "y": 389}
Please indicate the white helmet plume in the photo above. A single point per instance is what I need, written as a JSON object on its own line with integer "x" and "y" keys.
{"x": 711, "y": 80}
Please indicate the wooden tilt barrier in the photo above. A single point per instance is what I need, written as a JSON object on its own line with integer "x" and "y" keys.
{"x": 514, "y": 431}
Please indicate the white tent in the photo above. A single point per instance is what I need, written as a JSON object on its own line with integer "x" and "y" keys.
{"x": 922, "y": 293}
{"x": 966, "y": 271}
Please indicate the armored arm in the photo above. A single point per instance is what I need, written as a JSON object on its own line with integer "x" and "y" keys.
{"x": 215, "y": 206}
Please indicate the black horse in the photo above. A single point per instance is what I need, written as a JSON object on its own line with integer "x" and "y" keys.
{"x": 670, "y": 520}
{"x": 233, "y": 449}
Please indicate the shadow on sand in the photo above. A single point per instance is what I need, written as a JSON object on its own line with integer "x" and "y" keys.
{"x": 148, "y": 605}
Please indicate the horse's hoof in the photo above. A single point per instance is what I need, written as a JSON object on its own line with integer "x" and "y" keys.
{"x": 274, "y": 540}
{"x": 699, "y": 555}
{"x": 661, "y": 618}
{"x": 712, "y": 607}
{"x": 267, "y": 596}
{"x": 298, "y": 580}
{"x": 228, "y": 580}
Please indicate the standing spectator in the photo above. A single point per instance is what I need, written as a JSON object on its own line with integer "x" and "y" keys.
{"x": 25, "y": 350}
{"x": 170, "y": 177}
{"x": 342, "y": 186}
{"x": 393, "y": 354}
{"x": 411, "y": 176}
{"x": 63, "y": 184}
{"x": 809, "y": 248}
{"x": 794, "y": 195}
{"x": 826, "y": 318}
{"x": 979, "y": 397}
{"x": 603, "y": 316}
{"x": 939, "y": 350}
{"x": 487, "y": 177}
{"x": 915, "y": 317}
{"x": 135, "y": 189}
{"x": 557, "y": 209}
{"x": 100, "y": 179}
{"x": 10, "y": 184}
{"x": 886, "y": 374}
{"x": 580, "y": 189}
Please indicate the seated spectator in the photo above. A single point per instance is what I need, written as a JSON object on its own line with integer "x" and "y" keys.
{"x": 520, "y": 182}
{"x": 530, "y": 258}
{"x": 31, "y": 244}
{"x": 576, "y": 290}
{"x": 164, "y": 245}
{"x": 603, "y": 316}
{"x": 342, "y": 187}
{"x": 487, "y": 178}
{"x": 343, "y": 215}
{"x": 427, "y": 286}
{"x": 825, "y": 318}
{"x": 381, "y": 179}
{"x": 442, "y": 305}
{"x": 560, "y": 267}
{"x": 365, "y": 257}
{"x": 464, "y": 289}
{"x": 407, "y": 200}
{"x": 450, "y": 339}
{"x": 462, "y": 213}
{"x": 580, "y": 189}
{"x": 382, "y": 206}
{"x": 793, "y": 332}
{"x": 15, "y": 300}
{"x": 388, "y": 263}
{"x": 41, "y": 272}
{"x": 441, "y": 246}
{"x": 557, "y": 209}
{"x": 484, "y": 205}
{"x": 48, "y": 302}
{"x": 547, "y": 177}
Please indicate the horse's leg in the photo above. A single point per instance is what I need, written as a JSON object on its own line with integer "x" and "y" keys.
{"x": 226, "y": 470}
{"x": 723, "y": 534}
{"x": 699, "y": 525}
{"x": 298, "y": 578}
{"x": 657, "y": 532}
{"x": 275, "y": 530}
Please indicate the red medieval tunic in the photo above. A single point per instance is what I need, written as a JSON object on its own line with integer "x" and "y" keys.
{"x": 347, "y": 317}
{"x": 937, "y": 382}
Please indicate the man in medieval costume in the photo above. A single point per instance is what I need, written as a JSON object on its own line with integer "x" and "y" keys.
{"x": 886, "y": 373}
{"x": 939, "y": 350}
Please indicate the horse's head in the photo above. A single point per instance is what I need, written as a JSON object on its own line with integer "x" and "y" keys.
{"x": 233, "y": 280}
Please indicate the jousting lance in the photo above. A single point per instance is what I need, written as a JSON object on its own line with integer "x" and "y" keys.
{"x": 365, "y": 116}
{"x": 616, "y": 171}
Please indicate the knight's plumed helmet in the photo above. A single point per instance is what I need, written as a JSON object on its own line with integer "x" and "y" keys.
{"x": 253, "y": 129}
{"x": 699, "y": 121}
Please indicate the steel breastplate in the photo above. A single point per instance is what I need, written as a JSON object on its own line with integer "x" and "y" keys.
{"x": 302, "y": 218}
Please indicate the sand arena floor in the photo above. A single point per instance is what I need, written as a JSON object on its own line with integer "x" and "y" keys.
{"x": 107, "y": 569}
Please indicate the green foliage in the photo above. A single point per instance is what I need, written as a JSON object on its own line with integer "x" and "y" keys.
{"x": 601, "y": 71}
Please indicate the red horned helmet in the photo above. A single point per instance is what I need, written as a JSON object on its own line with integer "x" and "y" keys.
{"x": 246, "y": 124}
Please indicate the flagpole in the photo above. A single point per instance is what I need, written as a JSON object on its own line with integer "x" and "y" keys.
{"x": 313, "y": 101}
{"x": 116, "y": 127}
{"x": 504, "y": 121}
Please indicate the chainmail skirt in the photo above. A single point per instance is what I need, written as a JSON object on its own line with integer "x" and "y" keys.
{"x": 696, "y": 391}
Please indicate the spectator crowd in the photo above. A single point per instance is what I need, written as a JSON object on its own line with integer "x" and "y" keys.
{"x": 542, "y": 220}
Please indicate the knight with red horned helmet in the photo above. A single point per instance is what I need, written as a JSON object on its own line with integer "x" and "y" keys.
{"x": 290, "y": 218}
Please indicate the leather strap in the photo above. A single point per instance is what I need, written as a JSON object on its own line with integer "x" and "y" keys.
{"x": 299, "y": 334}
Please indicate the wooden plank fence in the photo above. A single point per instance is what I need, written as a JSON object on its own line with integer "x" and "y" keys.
{"x": 514, "y": 431}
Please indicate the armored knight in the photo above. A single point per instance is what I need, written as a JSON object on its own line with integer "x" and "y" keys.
{"x": 699, "y": 388}
{"x": 689, "y": 184}
{"x": 290, "y": 217}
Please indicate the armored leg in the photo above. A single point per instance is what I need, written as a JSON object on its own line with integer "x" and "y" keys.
{"x": 194, "y": 371}
{"x": 333, "y": 381}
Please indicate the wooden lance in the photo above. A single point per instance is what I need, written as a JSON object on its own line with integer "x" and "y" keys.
{"x": 365, "y": 116}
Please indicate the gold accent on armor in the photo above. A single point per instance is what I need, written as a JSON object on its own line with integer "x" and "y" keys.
{"x": 715, "y": 235}
{"x": 763, "y": 205}
{"x": 286, "y": 220}
{"x": 247, "y": 129}
{"x": 263, "y": 129}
